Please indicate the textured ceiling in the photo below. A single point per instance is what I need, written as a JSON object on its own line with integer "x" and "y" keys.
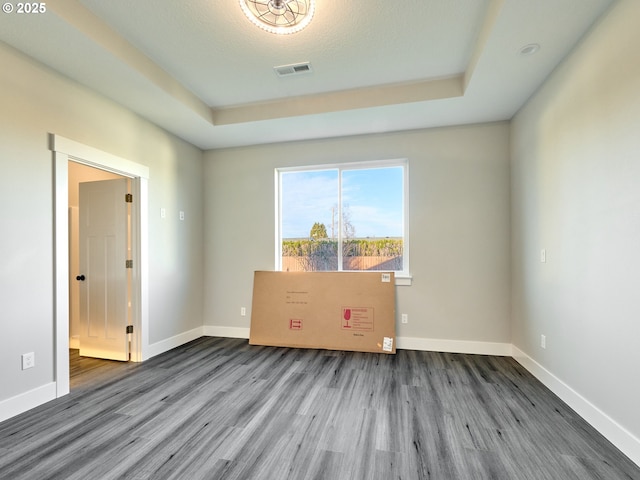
{"x": 203, "y": 45}
{"x": 201, "y": 70}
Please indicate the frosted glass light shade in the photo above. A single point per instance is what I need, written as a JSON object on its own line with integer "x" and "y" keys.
{"x": 279, "y": 16}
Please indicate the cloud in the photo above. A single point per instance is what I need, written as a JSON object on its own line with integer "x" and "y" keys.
{"x": 372, "y": 198}
{"x": 307, "y": 197}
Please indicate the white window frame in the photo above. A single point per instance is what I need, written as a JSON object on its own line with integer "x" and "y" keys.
{"x": 402, "y": 277}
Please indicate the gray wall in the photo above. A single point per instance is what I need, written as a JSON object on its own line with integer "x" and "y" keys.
{"x": 35, "y": 102}
{"x": 576, "y": 193}
{"x": 459, "y": 225}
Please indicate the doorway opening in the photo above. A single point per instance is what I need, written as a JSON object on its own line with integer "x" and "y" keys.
{"x": 86, "y": 373}
{"x": 79, "y": 176}
{"x": 66, "y": 152}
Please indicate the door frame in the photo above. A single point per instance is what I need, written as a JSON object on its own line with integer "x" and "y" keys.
{"x": 66, "y": 150}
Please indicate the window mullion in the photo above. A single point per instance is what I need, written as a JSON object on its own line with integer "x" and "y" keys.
{"x": 340, "y": 231}
{"x": 278, "y": 218}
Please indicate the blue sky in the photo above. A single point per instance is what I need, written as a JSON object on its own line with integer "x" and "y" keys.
{"x": 373, "y": 198}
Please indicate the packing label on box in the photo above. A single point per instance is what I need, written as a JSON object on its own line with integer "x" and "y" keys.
{"x": 357, "y": 318}
{"x": 296, "y": 297}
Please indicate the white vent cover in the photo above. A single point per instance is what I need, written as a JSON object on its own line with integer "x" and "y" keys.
{"x": 295, "y": 69}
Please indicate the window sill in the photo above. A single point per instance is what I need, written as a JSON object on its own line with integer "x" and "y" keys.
{"x": 403, "y": 280}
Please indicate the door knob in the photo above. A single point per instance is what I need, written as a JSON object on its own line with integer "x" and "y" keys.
{"x": 80, "y": 278}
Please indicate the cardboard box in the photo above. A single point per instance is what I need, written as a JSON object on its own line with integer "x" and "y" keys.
{"x": 352, "y": 311}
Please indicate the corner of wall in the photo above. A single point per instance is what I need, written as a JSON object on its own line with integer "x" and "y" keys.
{"x": 624, "y": 440}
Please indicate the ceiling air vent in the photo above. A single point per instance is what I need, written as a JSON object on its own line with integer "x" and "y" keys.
{"x": 296, "y": 69}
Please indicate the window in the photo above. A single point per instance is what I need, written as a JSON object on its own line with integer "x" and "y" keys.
{"x": 347, "y": 217}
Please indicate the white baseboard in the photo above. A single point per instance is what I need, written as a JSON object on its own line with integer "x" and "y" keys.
{"x": 175, "y": 341}
{"x": 227, "y": 332}
{"x": 405, "y": 343}
{"x": 454, "y": 346}
{"x": 624, "y": 440}
{"x": 26, "y": 401}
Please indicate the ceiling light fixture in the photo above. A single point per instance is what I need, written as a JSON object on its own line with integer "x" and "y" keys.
{"x": 279, "y": 16}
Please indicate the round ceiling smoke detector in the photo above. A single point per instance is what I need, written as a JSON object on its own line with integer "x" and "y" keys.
{"x": 529, "y": 50}
{"x": 279, "y": 16}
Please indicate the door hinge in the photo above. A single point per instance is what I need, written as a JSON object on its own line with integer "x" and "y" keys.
{"x": 129, "y": 328}
{"x": 128, "y": 198}
{"x": 128, "y": 264}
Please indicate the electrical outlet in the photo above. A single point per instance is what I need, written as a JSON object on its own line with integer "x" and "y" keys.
{"x": 181, "y": 215}
{"x": 543, "y": 341}
{"x": 28, "y": 360}
{"x": 404, "y": 318}
{"x": 543, "y": 256}
{"x": 163, "y": 213}
{"x": 243, "y": 311}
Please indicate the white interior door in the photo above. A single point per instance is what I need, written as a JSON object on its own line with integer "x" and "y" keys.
{"x": 103, "y": 272}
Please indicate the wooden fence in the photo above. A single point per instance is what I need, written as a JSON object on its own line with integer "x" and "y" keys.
{"x": 299, "y": 264}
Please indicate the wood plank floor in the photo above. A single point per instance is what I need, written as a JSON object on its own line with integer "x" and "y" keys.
{"x": 222, "y": 409}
